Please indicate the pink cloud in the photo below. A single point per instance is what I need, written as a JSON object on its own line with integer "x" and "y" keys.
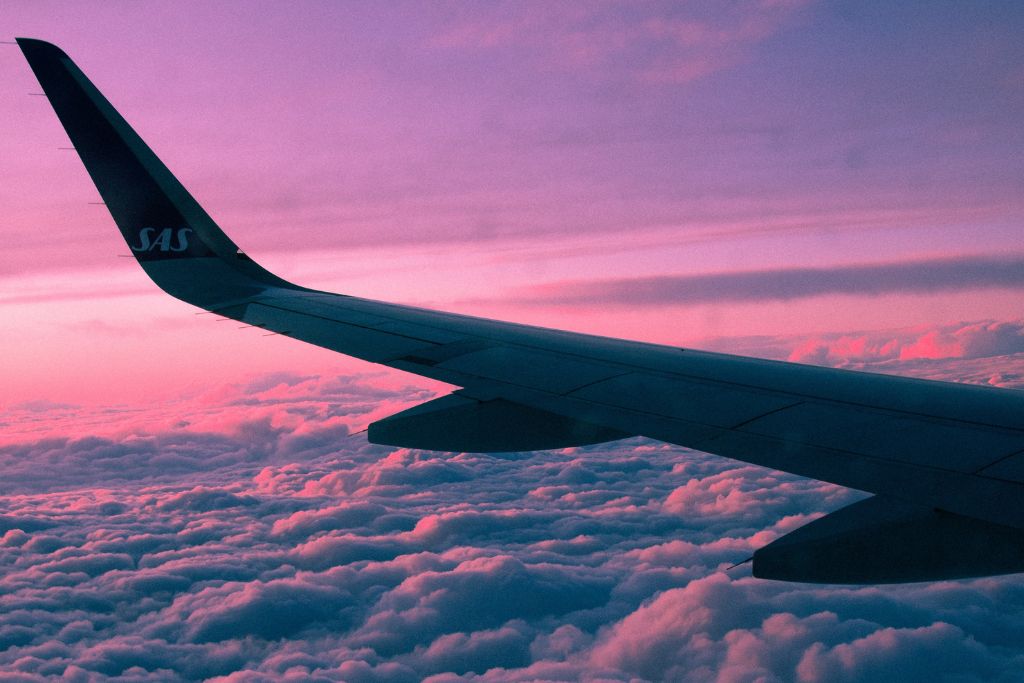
{"x": 936, "y": 651}
{"x": 507, "y": 647}
{"x": 720, "y": 494}
{"x": 600, "y": 43}
{"x": 680, "y": 617}
{"x": 962, "y": 341}
{"x": 237, "y": 554}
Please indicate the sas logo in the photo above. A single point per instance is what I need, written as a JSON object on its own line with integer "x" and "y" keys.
{"x": 165, "y": 240}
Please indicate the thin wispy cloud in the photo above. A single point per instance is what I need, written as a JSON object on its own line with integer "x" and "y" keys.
{"x": 912, "y": 277}
{"x": 656, "y": 44}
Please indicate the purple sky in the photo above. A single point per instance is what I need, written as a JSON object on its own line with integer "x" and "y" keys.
{"x": 461, "y": 155}
{"x": 833, "y": 183}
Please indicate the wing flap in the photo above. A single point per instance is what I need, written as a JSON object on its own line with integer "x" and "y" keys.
{"x": 932, "y": 443}
{"x": 982, "y": 405}
{"x": 709, "y": 403}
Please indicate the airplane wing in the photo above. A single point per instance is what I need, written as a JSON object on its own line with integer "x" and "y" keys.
{"x": 945, "y": 461}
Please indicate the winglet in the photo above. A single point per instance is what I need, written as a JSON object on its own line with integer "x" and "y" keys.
{"x": 174, "y": 239}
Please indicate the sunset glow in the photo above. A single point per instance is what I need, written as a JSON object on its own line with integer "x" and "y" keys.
{"x": 827, "y": 183}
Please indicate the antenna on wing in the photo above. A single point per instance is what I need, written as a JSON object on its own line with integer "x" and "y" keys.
{"x": 740, "y": 564}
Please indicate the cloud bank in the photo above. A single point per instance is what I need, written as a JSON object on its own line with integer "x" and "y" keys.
{"x": 260, "y": 537}
{"x": 910, "y": 277}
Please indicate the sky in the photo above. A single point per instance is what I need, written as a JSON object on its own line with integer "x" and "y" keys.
{"x": 824, "y": 182}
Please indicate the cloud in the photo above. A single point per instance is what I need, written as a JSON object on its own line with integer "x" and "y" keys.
{"x": 939, "y": 651}
{"x": 910, "y": 277}
{"x": 656, "y": 44}
{"x": 476, "y": 594}
{"x": 272, "y": 609}
{"x": 203, "y": 499}
{"x": 965, "y": 341}
{"x": 305, "y": 523}
{"x": 507, "y": 647}
{"x": 222, "y": 550}
{"x": 686, "y": 624}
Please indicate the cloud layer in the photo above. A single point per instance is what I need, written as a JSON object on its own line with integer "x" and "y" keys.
{"x": 965, "y": 341}
{"x": 263, "y": 540}
{"x": 910, "y": 277}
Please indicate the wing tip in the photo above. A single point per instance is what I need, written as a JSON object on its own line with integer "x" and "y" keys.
{"x": 40, "y": 48}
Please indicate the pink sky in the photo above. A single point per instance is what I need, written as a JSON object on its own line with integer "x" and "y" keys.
{"x": 832, "y": 183}
{"x": 469, "y": 157}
